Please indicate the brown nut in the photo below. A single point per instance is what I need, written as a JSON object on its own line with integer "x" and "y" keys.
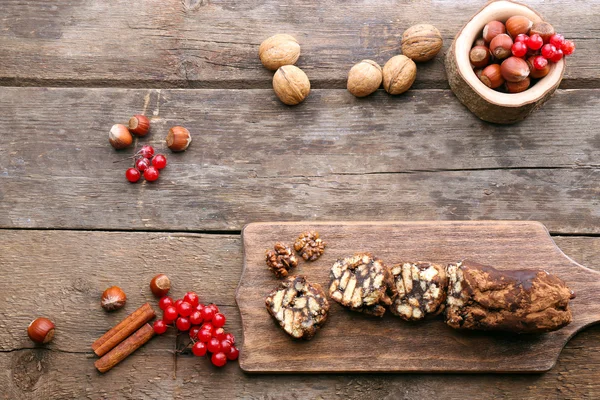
{"x": 291, "y": 85}
{"x": 178, "y": 138}
{"x": 139, "y": 125}
{"x": 160, "y": 285}
{"x": 279, "y": 50}
{"x": 479, "y": 56}
{"x": 537, "y": 73}
{"x": 113, "y": 298}
{"x": 518, "y": 87}
{"x": 119, "y": 136}
{"x": 399, "y": 74}
{"x": 518, "y": 25}
{"x": 544, "y": 29}
{"x": 493, "y": 29}
{"x": 514, "y": 69}
{"x": 364, "y": 78}
{"x": 501, "y": 46}
{"x": 421, "y": 42}
{"x": 479, "y": 42}
{"x": 491, "y": 76}
{"x": 41, "y": 330}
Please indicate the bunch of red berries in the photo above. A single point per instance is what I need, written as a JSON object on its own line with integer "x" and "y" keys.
{"x": 204, "y": 324}
{"x": 146, "y": 163}
{"x": 551, "y": 50}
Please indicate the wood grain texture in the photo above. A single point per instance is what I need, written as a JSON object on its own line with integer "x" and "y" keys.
{"x": 214, "y": 44}
{"x": 354, "y": 342}
{"x": 68, "y": 264}
{"x": 418, "y": 157}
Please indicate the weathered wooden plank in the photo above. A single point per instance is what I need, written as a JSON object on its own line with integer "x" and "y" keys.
{"x": 335, "y": 157}
{"x": 67, "y": 271}
{"x": 200, "y": 43}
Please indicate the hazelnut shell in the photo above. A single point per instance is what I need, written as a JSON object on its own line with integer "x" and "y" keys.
{"x": 120, "y": 137}
{"x": 399, "y": 74}
{"x": 514, "y": 69}
{"x": 41, "y": 330}
{"x": 113, "y": 298}
{"x": 291, "y": 85}
{"x": 364, "y": 78}
{"x": 421, "y": 42}
{"x": 160, "y": 285}
{"x": 279, "y": 50}
{"x": 517, "y": 25}
{"x": 178, "y": 138}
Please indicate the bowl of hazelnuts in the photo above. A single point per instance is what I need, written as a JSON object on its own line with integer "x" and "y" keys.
{"x": 506, "y": 62}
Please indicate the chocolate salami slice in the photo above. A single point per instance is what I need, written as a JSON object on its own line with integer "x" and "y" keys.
{"x": 362, "y": 283}
{"x": 481, "y": 297}
{"x": 421, "y": 290}
{"x": 299, "y": 307}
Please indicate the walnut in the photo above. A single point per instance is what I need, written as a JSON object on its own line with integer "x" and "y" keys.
{"x": 399, "y": 73}
{"x": 279, "y": 50}
{"x": 523, "y": 301}
{"x": 421, "y": 42}
{"x": 291, "y": 85}
{"x": 364, "y": 78}
{"x": 281, "y": 260}
{"x": 421, "y": 290}
{"x": 299, "y": 307}
{"x": 362, "y": 283}
{"x": 309, "y": 245}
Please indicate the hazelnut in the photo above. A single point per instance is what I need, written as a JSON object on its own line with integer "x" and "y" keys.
{"x": 399, "y": 74}
{"x": 41, "y": 330}
{"x": 544, "y": 29}
{"x": 113, "y": 298}
{"x": 518, "y": 25}
{"x": 514, "y": 69}
{"x": 160, "y": 285}
{"x": 119, "y": 136}
{"x": 178, "y": 138}
{"x": 537, "y": 73}
{"x": 364, "y": 78}
{"x": 479, "y": 42}
{"x": 279, "y": 50}
{"x": 421, "y": 42}
{"x": 501, "y": 46}
{"x": 518, "y": 87}
{"x": 493, "y": 29}
{"x": 491, "y": 76}
{"x": 479, "y": 56}
{"x": 291, "y": 85}
{"x": 139, "y": 125}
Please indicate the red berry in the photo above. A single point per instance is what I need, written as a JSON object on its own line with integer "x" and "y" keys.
{"x": 213, "y": 307}
{"x": 142, "y": 164}
{"x": 230, "y": 338}
{"x": 218, "y": 320}
{"x": 220, "y": 334}
{"x": 557, "y": 56}
{"x": 519, "y": 49}
{"x": 207, "y": 314}
{"x": 168, "y": 321}
{"x": 207, "y": 326}
{"x": 183, "y": 324}
{"x": 535, "y": 42}
{"x": 540, "y": 62}
{"x": 233, "y": 353}
{"x": 199, "y": 349}
{"x": 191, "y": 298}
{"x": 521, "y": 37}
{"x": 219, "y": 359}
{"x": 159, "y": 161}
{"x": 200, "y": 307}
{"x": 184, "y": 309}
{"x": 151, "y": 174}
{"x": 568, "y": 47}
{"x": 160, "y": 327}
{"x": 178, "y": 302}
{"x": 147, "y": 151}
{"x": 196, "y": 317}
{"x": 165, "y": 302}
{"x": 194, "y": 332}
{"x": 225, "y": 346}
{"x": 204, "y": 335}
{"x": 170, "y": 313}
{"x": 132, "y": 175}
{"x": 214, "y": 345}
{"x": 557, "y": 40}
{"x": 548, "y": 50}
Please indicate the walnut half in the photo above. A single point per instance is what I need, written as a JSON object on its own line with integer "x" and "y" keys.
{"x": 309, "y": 245}
{"x": 281, "y": 260}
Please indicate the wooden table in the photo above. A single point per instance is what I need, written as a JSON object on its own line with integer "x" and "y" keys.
{"x": 72, "y": 226}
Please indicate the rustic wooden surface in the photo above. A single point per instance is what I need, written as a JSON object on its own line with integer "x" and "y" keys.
{"x": 420, "y": 156}
{"x": 353, "y": 342}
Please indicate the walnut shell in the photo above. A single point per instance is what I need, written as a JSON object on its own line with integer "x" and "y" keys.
{"x": 364, "y": 78}
{"x": 399, "y": 73}
{"x": 421, "y": 42}
{"x": 279, "y": 50}
{"x": 291, "y": 85}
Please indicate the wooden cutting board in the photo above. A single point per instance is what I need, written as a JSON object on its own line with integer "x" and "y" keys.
{"x": 353, "y": 342}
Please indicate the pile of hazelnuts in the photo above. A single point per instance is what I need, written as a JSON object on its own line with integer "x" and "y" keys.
{"x": 509, "y": 55}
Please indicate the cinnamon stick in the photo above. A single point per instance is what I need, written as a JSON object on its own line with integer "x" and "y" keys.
{"x": 125, "y": 348}
{"x": 122, "y": 330}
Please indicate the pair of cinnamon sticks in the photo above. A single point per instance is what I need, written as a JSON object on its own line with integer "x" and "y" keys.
{"x": 123, "y": 339}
